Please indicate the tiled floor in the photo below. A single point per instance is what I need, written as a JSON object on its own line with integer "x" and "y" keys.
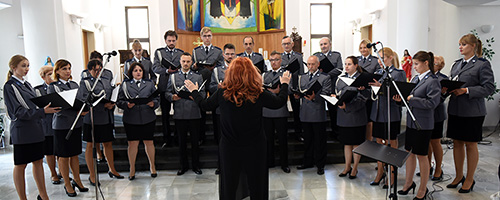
{"x": 296, "y": 185}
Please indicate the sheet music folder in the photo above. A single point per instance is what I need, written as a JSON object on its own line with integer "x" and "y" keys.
{"x": 61, "y": 99}
{"x": 293, "y": 66}
{"x": 364, "y": 78}
{"x": 260, "y": 65}
{"x": 316, "y": 87}
{"x": 382, "y": 153}
{"x": 144, "y": 100}
{"x": 167, "y": 64}
{"x": 404, "y": 87}
{"x": 451, "y": 85}
{"x": 326, "y": 65}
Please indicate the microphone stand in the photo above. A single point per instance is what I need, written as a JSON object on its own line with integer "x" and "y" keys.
{"x": 89, "y": 102}
{"x": 389, "y": 80}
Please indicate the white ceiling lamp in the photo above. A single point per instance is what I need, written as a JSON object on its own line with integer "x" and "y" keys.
{"x": 487, "y": 28}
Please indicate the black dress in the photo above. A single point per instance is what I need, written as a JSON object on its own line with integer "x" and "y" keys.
{"x": 242, "y": 147}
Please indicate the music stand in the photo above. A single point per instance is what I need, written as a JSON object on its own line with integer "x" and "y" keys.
{"x": 386, "y": 154}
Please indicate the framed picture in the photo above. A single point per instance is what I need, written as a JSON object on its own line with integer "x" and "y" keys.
{"x": 230, "y": 15}
{"x": 271, "y": 15}
{"x": 187, "y": 15}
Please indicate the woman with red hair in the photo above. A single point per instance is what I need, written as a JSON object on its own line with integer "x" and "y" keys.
{"x": 243, "y": 143}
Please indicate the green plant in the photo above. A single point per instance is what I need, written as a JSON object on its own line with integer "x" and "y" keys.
{"x": 488, "y": 54}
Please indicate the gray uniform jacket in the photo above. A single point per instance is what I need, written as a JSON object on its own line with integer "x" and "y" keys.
{"x": 269, "y": 78}
{"x": 217, "y": 77}
{"x": 102, "y": 115}
{"x": 148, "y": 68}
{"x": 184, "y": 108}
{"x": 141, "y": 113}
{"x": 314, "y": 111}
{"x": 106, "y": 75}
{"x": 354, "y": 114}
{"x": 293, "y": 55}
{"x": 440, "y": 111}
{"x": 174, "y": 57}
{"x": 336, "y": 59}
{"x": 41, "y": 90}
{"x": 254, "y": 57}
{"x": 214, "y": 55}
{"x": 478, "y": 78}
{"x": 370, "y": 65}
{"x": 64, "y": 119}
{"x": 26, "y": 117}
{"x": 379, "y": 108}
{"x": 426, "y": 97}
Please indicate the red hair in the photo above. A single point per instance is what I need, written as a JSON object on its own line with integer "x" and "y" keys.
{"x": 242, "y": 82}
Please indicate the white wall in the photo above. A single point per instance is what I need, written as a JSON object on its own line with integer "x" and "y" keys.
{"x": 12, "y": 26}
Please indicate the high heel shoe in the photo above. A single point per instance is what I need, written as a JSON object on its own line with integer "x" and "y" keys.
{"x": 353, "y": 177}
{"x": 385, "y": 186}
{"x": 92, "y": 183}
{"x": 462, "y": 190}
{"x": 111, "y": 175}
{"x": 81, "y": 189}
{"x": 344, "y": 175}
{"x": 455, "y": 185}
{"x": 430, "y": 171}
{"x": 440, "y": 177}
{"x": 378, "y": 182}
{"x": 70, "y": 194}
{"x": 405, "y": 192}
{"x": 425, "y": 195}
{"x": 38, "y": 197}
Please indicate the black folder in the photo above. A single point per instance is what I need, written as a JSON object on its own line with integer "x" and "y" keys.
{"x": 326, "y": 65}
{"x": 272, "y": 85}
{"x": 260, "y": 65}
{"x": 364, "y": 78}
{"x": 451, "y": 85}
{"x": 293, "y": 66}
{"x": 167, "y": 64}
{"x": 144, "y": 100}
{"x": 204, "y": 64}
{"x": 404, "y": 87}
{"x": 56, "y": 100}
{"x": 316, "y": 87}
{"x": 347, "y": 97}
{"x": 184, "y": 94}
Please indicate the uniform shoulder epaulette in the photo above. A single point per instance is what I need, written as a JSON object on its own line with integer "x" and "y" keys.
{"x": 182, "y": 51}
{"x": 336, "y": 52}
{"x": 317, "y": 53}
{"x": 458, "y": 60}
{"x": 482, "y": 59}
{"x": 216, "y": 47}
{"x": 161, "y": 48}
{"x": 39, "y": 86}
{"x": 149, "y": 59}
{"x": 257, "y": 53}
{"x": 147, "y": 80}
{"x": 198, "y": 47}
{"x": 53, "y": 83}
{"x": 88, "y": 78}
{"x": 298, "y": 53}
{"x": 240, "y": 54}
{"x": 374, "y": 57}
{"x": 129, "y": 60}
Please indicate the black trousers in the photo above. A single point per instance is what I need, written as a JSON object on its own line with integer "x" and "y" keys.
{"x": 165, "y": 106}
{"x": 297, "y": 126}
{"x": 193, "y": 126}
{"x": 278, "y": 125}
{"x": 332, "y": 110}
{"x": 249, "y": 160}
{"x": 216, "y": 123}
{"x": 315, "y": 143}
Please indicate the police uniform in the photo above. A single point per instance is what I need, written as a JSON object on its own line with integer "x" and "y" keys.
{"x": 217, "y": 77}
{"x": 48, "y": 145}
{"x": 63, "y": 121}
{"x": 287, "y": 58}
{"x": 439, "y": 112}
{"x": 26, "y": 128}
{"x": 313, "y": 118}
{"x": 106, "y": 75}
{"x": 379, "y": 108}
{"x": 148, "y": 72}
{"x": 255, "y": 57}
{"x": 174, "y": 56}
{"x": 187, "y": 115}
{"x": 275, "y": 120}
{"x": 139, "y": 121}
{"x": 336, "y": 59}
{"x": 426, "y": 97}
{"x": 352, "y": 119}
{"x": 369, "y": 63}
{"x": 466, "y": 112}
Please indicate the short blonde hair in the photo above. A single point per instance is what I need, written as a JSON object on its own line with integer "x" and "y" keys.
{"x": 205, "y": 29}
{"x": 439, "y": 61}
{"x": 45, "y": 69}
{"x": 136, "y": 44}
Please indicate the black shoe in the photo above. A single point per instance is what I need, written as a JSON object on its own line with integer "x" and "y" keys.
{"x": 197, "y": 171}
{"x": 321, "y": 171}
{"x": 111, "y": 175}
{"x": 344, "y": 175}
{"x": 430, "y": 171}
{"x": 181, "y": 171}
{"x": 304, "y": 167}
{"x": 70, "y": 194}
{"x": 405, "y": 192}
{"x": 131, "y": 178}
{"x": 455, "y": 185}
{"x": 81, "y": 189}
{"x": 440, "y": 177}
{"x": 378, "y": 182}
{"x": 38, "y": 197}
{"x": 154, "y": 175}
{"x": 462, "y": 190}
{"x": 217, "y": 171}
{"x": 286, "y": 169}
{"x": 56, "y": 182}
{"x": 353, "y": 177}
{"x": 425, "y": 195}
{"x": 92, "y": 183}
{"x": 386, "y": 186}
{"x": 101, "y": 161}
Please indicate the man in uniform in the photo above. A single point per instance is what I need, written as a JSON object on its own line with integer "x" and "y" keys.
{"x": 249, "y": 44}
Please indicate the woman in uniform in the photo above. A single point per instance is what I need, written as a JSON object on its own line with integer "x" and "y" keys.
{"x": 67, "y": 149}
{"x": 139, "y": 119}
{"x": 26, "y": 126}
{"x": 369, "y": 64}
{"x": 146, "y": 63}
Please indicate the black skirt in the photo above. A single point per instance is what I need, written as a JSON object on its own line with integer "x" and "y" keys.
{"x": 68, "y": 148}
{"x": 437, "y": 132}
{"x": 140, "y": 132}
{"x": 26, "y": 153}
{"x": 468, "y": 129}
{"x": 352, "y": 135}
{"x": 48, "y": 146}
{"x": 380, "y": 130}
{"x": 102, "y": 133}
{"x": 369, "y": 104}
{"x": 417, "y": 141}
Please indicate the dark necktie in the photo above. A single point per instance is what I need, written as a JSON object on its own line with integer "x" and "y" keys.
{"x": 185, "y": 75}
{"x": 288, "y": 55}
{"x": 463, "y": 65}
{"x": 138, "y": 83}
{"x": 274, "y": 73}
{"x": 364, "y": 60}
{"x": 310, "y": 76}
{"x": 171, "y": 52}
{"x": 69, "y": 85}
{"x": 206, "y": 50}
{"x": 418, "y": 80}
{"x": 27, "y": 85}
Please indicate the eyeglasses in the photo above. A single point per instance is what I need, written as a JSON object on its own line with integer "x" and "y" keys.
{"x": 230, "y": 54}
{"x": 285, "y": 44}
{"x": 207, "y": 36}
{"x": 274, "y": 60}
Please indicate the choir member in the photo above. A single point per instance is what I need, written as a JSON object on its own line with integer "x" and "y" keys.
{"x": 248, "y": 45}
{"x": 369, "y": 64}
{"x": 148, "y": 66}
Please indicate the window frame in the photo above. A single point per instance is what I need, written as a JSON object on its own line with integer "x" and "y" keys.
{"x": 318, "y": 36}
{"x": 130, "y": 40}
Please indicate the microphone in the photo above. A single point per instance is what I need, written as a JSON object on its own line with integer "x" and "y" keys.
{"x": 372, "y": 44}
{"x": 112, "y": 53}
